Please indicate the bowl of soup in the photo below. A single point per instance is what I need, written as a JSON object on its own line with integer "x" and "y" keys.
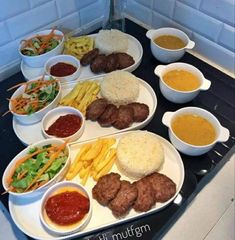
{"x": 181, "y": 82}
{"x": 168, "y": 44}
{"x": 194, "y": 131}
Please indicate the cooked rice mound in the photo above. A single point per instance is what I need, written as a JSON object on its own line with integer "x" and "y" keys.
{"x": 138, "y": 154}
{"x": 111, "y": 41}
{"x": 120, "y": 87}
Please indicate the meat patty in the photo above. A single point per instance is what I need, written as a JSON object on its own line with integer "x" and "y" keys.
{"x": 99, "y": 63}
{"x": 106, "y": 188}
{"x": 112, "y": 63}
{"x": 124, "y": 199}
{"x": 109, "y": 116}
{"x": 124, "y": 60}
{"x": 89, "y": 57}
{"x": 145, "y": 198}
{"x": 164, "y": 188}
{"x": 96, "y": 108}
{"x": 141, "y": 111}
{"x": 125, "y": 117}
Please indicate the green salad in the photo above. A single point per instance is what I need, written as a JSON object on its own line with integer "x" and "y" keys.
{"x": 38, "y": 167}
{"x": 40, "y": 44}
{"x": 37, "y": 95}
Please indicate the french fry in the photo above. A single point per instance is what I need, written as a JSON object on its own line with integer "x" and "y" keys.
{"x": 106, "y": 169}
{"x": 93, "y": 159}
{"x": 77, "y": 164}
{"x": 71, "y": 175}
{"x": 102, "y": 164}
{"x": 104, "y": 151}
{"x": 78, "y": 46}
{"x": 82, "y": 95}
{"x": 94, "y": 151}
{"x": 84, "y": 179}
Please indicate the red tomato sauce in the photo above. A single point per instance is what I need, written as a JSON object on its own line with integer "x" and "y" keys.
{"x": 65, "y": 126}
{"x": 62, "y": 69}
{"x": 67, "y": 208}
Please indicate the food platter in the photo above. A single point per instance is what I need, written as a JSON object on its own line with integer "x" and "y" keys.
{"x": 134, "y": 49}
{"x": 29, "y": 134}
{"x": 24, "y": 210}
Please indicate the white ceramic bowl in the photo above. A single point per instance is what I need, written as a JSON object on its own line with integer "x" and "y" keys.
{"x": 222, "y": 134}
{"x": 65, "y": 59}
{"x": 177, "y": 96}
{"x": 62, "y": 230}
{"x": 54, "y": 114}
{"x": 37, "y": 116}
{"x": 39, "y": 61}
{"x": 23, "y": 153}
{"x": 167, "y": 55}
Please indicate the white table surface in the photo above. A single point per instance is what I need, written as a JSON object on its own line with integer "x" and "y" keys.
{"x": 211, "y": 214}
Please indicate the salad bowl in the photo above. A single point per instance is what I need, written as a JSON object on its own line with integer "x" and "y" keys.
{"x": 35, "y": 53}
{"x": 37, "y": 167}
{"x": 37, "y": 102}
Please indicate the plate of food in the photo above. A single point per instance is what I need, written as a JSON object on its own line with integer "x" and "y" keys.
{"x": 99, "y": 53}
{"x": 131, "y": 101}
{"x": 128, "y": 175}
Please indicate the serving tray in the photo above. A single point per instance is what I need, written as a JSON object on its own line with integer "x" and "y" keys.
{"x": 134, "y": 49}
{"x": 25, "y": 210}
{"x": 29, "y": 134}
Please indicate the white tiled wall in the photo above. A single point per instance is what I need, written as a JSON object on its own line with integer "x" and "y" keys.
{"x": 210, "y": 23}
{"x": 19, "y": 18}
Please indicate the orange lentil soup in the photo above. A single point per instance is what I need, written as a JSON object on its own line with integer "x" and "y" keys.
{"x": 181, "y": 80}
{"x": 169, "y": 42}
{"x": 193, "y": 129}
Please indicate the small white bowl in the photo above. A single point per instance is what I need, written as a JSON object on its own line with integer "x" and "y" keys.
{"x": 37, "y": 116}
{"x": 39, "y": 60}
{"x": 65, "y": 59}
{"x": 23, "y": 153}
{"x": 54, "y": 114}
{"x": 177, "y": 96}
{"x": 222, "y": 133}
{"x": 62, "y": 230}
{"x": 168, "y": 55}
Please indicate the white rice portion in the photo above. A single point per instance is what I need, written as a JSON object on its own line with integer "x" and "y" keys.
{"x": 120, "y": 87}
{"x": 111, "y": 41}
{"x": 138, "y": 154}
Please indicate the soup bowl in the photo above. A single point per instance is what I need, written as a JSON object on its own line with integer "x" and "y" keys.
{"x": 177, "y": 96}
{"x": 222, "y": 133}
{"x": 168, "y": 55}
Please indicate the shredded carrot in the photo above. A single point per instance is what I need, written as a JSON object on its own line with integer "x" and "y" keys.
{"x": 17, "y": 85}
{"x": 22, "y": 174}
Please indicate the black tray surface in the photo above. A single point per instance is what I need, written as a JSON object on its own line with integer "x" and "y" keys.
{"x": 219, "y": 100}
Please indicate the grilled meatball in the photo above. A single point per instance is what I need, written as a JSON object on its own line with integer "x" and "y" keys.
{"x": 124, "y": 199}
{"x": 164, "y": 188}
{"x": 111, "y": 63}
{"x": 96, "y": 108}
{"x": 106, "y": 188}
{"x": 141, "y": 111}
{"x": 125, "y": 117}
{"x": 109, "y": 116}
{"x": 99, "y": 63}
{"x": 124, "y": 60}
{"x": 89, "y": 57}
{"x": 145, "y": 198}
